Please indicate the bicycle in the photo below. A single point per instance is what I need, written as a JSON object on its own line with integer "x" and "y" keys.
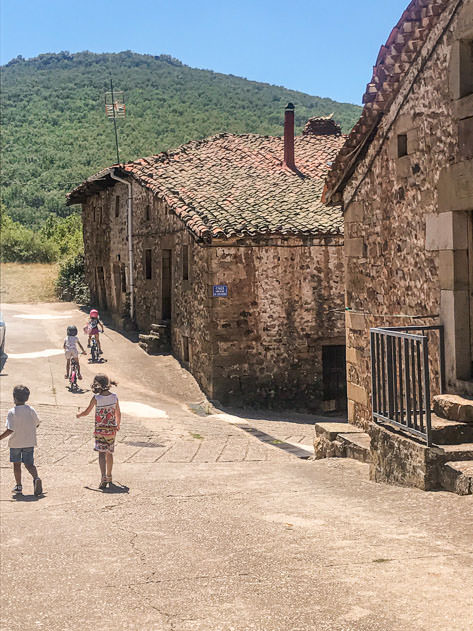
{"x": 73, "y": 376}
{"x": 94, "y": 350}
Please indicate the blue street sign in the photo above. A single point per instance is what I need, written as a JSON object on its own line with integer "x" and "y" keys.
{"x": 220, "y": 291}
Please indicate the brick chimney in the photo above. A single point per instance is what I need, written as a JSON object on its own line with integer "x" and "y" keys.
{"x": 289, "y": 161}
{"x": 322, "y": 126}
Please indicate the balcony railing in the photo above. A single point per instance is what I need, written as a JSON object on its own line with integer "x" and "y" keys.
{"x": 404, "y": 376}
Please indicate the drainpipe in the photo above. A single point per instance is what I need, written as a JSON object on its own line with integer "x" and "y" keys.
{"x": 130, "y": 242}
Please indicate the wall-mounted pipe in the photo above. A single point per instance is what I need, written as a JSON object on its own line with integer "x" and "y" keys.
{"x": 130, "y": 241}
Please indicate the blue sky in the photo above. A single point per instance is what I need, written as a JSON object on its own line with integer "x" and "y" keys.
{"x": 319, "y": 47}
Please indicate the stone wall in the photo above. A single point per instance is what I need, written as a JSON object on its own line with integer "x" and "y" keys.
{"x": 401, "y": 240}
{"x": 285, "y": 301}
{"x": 155, "y": 229}
{"x": 262, "y": 345}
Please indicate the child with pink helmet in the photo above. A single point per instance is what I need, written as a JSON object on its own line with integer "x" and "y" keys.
{"x": 92, "y": 328}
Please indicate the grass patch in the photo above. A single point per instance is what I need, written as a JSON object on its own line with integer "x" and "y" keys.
{"x": 28, "y": 282}
{"x": 381, "y": 560}
{"x": 197, "y": 436}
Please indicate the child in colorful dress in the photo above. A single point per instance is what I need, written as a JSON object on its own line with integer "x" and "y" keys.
{"x": 107, "y": 424}
{"x": 92, "y": 328}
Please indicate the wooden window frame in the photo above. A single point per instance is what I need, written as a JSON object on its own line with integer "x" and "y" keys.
{"x": 402, "y": 145}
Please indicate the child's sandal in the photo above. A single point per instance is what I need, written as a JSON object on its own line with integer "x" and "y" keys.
{"x": 103, "y": 482}
{"x": 109, "y": 479}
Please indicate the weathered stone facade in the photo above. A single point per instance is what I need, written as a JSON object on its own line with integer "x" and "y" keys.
{"x": 408, "y": 213}
{"x": 234, "y": 258}
{"x": 261, "y": 345}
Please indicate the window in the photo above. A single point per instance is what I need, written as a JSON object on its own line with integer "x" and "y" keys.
{"x": 148, "y": 268}
{"x": 147, "y": 213}
{"x": 185, "y": 262}
{"x": 466, "y": 68}
{"x": 123, "y": 278}
{"x": 185, "y": 349}
{"x": 401, "y": 145}
{"x": 117, "y": 205}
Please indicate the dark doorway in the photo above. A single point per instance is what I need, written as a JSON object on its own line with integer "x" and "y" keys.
{"x": 334, "y": 378}
{"x": 166, "y": 284}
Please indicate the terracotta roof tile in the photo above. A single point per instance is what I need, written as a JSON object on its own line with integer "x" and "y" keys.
{"x": 236, "y": 185}
{"x": 392, "y": 64}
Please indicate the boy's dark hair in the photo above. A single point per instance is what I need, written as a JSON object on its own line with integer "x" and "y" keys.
{"x": 21, "y": 394}
{"x": 101, "y": 383}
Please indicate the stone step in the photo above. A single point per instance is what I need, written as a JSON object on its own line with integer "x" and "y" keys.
{"x": 454, "y": 407}
{"x": 339, "y": 439}
{"x": 149, "y": 338}
{"x": 457, "y": 477}
{"x": 357, "y": 446}
{"x": 446, "y": 432}
{"x": 462, "y": 451}
{"x": 159, "y": 328}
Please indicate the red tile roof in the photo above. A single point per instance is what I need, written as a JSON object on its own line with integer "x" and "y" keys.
{"x": 236, "y": 185}
{"x": 392, "y": 64}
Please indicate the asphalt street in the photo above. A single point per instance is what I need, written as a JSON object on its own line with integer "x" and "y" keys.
{"x": 218, "y": 519}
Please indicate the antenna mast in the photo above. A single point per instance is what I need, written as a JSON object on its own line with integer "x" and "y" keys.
{"x": 114, "y": 108}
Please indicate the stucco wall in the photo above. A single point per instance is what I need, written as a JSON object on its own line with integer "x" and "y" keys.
{"x": 398, "y": 235}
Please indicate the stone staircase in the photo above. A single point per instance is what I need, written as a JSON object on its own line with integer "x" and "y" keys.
{"x": 397, "y": 458}
{"x": 452, "y": 424}
{"x": 158, "y": 340}
{"x": 339, "y": 439}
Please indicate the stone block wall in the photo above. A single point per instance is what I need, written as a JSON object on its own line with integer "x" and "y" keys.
{"x": 405, "y": 229}
{"x": 285, "y": 301}
{"x": 262, "y": 345}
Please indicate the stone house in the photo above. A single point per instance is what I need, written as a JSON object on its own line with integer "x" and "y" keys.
{"x": 226, "y": 242}
{"x": 405, "y": 180}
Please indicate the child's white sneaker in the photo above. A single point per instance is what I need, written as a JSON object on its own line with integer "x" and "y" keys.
{"x": 17, "y": 489}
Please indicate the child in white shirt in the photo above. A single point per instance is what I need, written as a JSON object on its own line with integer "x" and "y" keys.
{"x": 70, "y": 350}
{"x": 22, "y": 422}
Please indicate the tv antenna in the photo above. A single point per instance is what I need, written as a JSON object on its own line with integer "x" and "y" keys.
{"x": 115, "y": 108}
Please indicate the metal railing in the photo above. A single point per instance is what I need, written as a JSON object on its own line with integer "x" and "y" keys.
{"x": 402, "y": 375}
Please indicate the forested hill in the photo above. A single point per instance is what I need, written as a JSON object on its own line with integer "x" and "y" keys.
{"x": 55, "y": 132}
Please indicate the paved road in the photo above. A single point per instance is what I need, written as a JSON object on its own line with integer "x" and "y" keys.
{"x": 218, "y": 521}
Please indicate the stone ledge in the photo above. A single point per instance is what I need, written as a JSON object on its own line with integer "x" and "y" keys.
{"x": 399, "y": 460}
{"x": 454, "y": 407}
{"x": 340, "y": 440}
{"x": 457, "y": 477}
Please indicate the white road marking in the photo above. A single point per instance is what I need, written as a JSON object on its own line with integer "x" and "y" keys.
{"x": 49, "y": 352}
{"x": 134, "y": 408}
{"x": 229, "y": 418}
{"x": 43, "y": 316}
